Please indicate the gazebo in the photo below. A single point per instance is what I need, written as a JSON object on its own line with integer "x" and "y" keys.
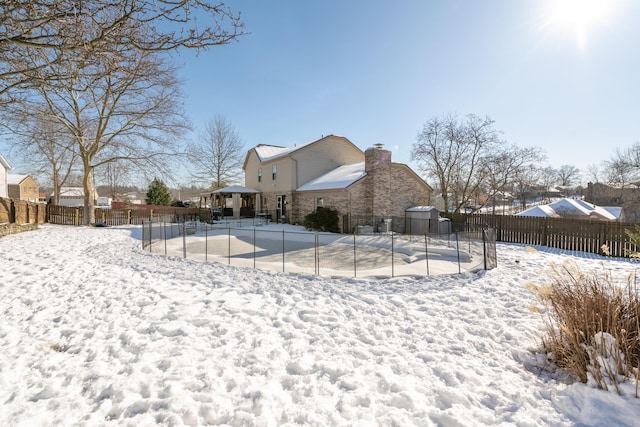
{"x": 244, "y": 200}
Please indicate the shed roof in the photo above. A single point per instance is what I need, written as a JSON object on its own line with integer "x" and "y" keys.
{"x": 235, "y": 189}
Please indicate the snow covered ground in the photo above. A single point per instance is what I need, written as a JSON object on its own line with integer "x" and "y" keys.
{"x": 95, "y": 331}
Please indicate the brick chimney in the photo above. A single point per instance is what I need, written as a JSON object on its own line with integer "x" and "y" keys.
{"x": 377, "y": 164}
{"x": 376, "y": 156}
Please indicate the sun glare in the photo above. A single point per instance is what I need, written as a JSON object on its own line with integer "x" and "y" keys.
{"x": 580, "y": 17}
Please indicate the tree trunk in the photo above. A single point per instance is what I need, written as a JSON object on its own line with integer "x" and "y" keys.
{"x": 56, "y": 187}
{"x": 89, "y": 203}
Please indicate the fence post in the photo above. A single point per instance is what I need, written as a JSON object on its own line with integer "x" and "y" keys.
{"x": 458, "y": 252}
{"x": 484, "y": 248}
{"x": 355, "y": 263}
{"x": 283, "y": 269}
{"x": 316, "y": 255}
{"x": 392, "y": 256}
{"x": 184, "y": 239}
{"x": 254, "y": 248}
{"x": 426, "y": 252}
{"x": 128, "y": 216}
{"x": 229, "y": 245}
{"x": 77, "y": 217}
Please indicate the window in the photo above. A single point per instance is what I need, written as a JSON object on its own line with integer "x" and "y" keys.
{"x": 259, "y": 174}
{"x": 273, "y": 172}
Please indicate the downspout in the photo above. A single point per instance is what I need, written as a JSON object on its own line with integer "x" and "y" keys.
{"x": 295, "y": 188}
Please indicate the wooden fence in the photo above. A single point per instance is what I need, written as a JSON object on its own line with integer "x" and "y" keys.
{"x": 567, "y": 234}
{"x": 74, "y": 216}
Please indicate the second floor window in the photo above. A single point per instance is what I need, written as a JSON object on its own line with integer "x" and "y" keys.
{"x": 273, "y": 172}
{"x": 260, "y": 175}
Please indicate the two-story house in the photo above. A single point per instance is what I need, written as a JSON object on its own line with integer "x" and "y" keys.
{"x": 23, "y": 187}
{"x": 332, "y": 172}
{"x": 5, "y": 167}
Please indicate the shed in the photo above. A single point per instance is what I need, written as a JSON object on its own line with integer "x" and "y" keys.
{"x": 422, "y": 219}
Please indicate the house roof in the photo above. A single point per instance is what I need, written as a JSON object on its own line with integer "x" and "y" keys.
{"x": 73, "y": 192}
{"x": 339, "y": 178}
{"x": 539, "y": 211}
{"x": 267, "y": 153}
{"x": 5, "y": 163}
{"x": 570, "y": 207}
{"x": 15, "y": 179}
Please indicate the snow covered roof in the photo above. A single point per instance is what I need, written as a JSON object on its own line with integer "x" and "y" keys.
{"x": 71, "y": 192}
{"x": 570, "y": 208}
{"x": 15, "y": 179}
{"x": 422, "y": 209}
{"x": 339, "y": 178}
{"x": 539, "y": 211}
{"x": 614, "y": 210}
{"x": 235, "y": 189}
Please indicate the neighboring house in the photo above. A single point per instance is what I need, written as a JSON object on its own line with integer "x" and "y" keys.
{"x": 23, "y": 187}
{"x": 625, "y": 196}
{"x": 574, "y": 209}
{"x": 5, "y": 167}
{"x": 74, "y": 196}
{"x": 332, "y": 172}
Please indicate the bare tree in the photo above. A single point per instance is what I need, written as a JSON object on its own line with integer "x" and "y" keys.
{"x": 115, "y": 176}
{"x": 97, "y": 67}
{"x": 568, "y": 175}
{"x": 525, "y": 182}
{"x": 594, "y": 172}
{"x": 218, "y": 154}
{"x": 36, "y": 27}
{"x": 42, "y": 144}
{"x": 548, "y": 178}
{"x": 451, "y": 151}
{"x": 624, "y": 165}
{"x": 503, "y": 168}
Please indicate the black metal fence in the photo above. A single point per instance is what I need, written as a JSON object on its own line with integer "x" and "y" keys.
{"x": 388, "y": 254}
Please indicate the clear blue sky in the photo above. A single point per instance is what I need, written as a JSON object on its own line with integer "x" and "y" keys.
{"x": 561, "y": 78}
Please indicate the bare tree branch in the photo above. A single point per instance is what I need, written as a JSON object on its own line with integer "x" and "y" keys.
{"x": 218, "y": 155}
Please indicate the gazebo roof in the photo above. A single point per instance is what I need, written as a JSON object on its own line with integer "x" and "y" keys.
{"x": 235, "y": 189}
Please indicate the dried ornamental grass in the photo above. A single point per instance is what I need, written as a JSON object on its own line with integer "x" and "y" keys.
{"x": 591, "y": 325}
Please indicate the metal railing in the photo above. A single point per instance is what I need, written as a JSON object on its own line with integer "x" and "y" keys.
{"x": 336, "y": 255}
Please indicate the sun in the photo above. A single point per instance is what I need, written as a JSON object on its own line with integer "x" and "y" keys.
{"x": 580, "y": 17}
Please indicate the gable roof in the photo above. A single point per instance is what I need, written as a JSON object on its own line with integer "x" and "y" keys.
{"x": 267, "y": 153}
{"x": 15, "y": 179}
{"x": 339, "y": 178}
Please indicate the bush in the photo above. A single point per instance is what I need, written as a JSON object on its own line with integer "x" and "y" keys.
{"x": 323, "y": 219}
{"x": 592, "y": 326}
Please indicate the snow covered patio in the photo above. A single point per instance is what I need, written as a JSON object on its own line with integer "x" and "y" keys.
{"x": 95, "y": 331}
